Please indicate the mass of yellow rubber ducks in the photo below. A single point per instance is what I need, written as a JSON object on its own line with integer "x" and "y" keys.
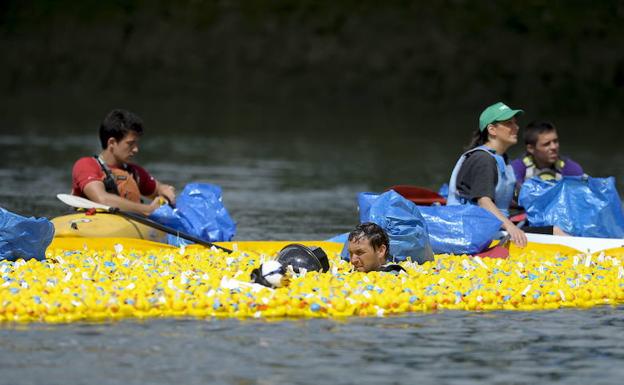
{"x": 87, "y": 284}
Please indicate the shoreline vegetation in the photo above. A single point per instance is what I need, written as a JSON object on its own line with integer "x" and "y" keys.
{"x": 558, "y": 58}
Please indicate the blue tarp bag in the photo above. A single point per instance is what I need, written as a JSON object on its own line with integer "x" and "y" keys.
{"x": 199, "y": 212}
{"x": 365, "y": 201}
{"x": 460, "y": 229}
{"x": 22, "y": 237}
{"x": 444, "y": 189}
{"x": 339, "y": 238}
{"x": 584, "y": 208}
{"x": 401, "y": 220}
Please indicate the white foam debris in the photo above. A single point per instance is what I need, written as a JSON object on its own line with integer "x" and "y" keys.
{"x": 526, "y": 290}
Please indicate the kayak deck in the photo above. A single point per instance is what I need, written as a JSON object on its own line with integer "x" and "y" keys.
{"x": 103, "y": 225}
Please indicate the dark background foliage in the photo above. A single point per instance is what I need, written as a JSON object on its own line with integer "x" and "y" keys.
{"x": 199, "y": 60}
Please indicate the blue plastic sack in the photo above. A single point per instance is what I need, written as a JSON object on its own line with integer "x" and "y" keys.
{"x": 339, "y": 238}
{"x": 444, "y": 189}
{"x": 365, "y": 201}
{"x": 199, "y": 212}
{"x": 585, "y": 208}
{"x": 460, "y": 229}
{"x": 22, "y": 237}
{"x": 403, "y": 223}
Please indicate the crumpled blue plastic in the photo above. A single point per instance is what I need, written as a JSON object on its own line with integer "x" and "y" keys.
{"x": 199, "y": 212}
{"x": 365, "y": 201}
{"x": 458, "y": 229}
{"x": 22, "y": 237}
{"x": 584, "y": 207}
{"x": 401, "y": 220}
{"x": 444, "y": 189}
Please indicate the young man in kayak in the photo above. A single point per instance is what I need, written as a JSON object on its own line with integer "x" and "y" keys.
{"x": 542, "y": 157}
{"x": 110, "y": 178}
{"x": 369, "y": 249}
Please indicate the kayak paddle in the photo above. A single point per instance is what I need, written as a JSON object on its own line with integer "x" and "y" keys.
{"x": 83, "y": 203}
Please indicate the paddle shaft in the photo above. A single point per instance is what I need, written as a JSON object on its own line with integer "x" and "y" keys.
{"x": 151, "y": 223}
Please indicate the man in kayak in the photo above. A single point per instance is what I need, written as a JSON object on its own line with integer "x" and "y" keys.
{"x": 542, "y": 157}
{"x": 109, "y": 178}
{"x": 369, "y": 249}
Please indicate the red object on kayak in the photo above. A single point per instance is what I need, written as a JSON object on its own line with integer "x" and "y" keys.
{"x": 501, "y": 250}
{"x": 425, "y": 197}
{"x": 518, "y": 218}
{"x": 494, "y": 252}
{"x": 419, "y": 195}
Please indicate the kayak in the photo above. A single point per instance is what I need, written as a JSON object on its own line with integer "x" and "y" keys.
{"x": 104, "y": 225}
{"x": 584, "y": 244}
{"x": 123, "y": 224}
{"x": 103, "y": 279}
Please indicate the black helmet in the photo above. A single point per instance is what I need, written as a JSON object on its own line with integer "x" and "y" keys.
{"x": 299, "y": 256}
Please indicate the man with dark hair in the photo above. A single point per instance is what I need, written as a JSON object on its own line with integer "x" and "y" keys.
{"x": 369, "y": 249}
{"x": 542, "y": 157}
{"x": 110, "y": 178}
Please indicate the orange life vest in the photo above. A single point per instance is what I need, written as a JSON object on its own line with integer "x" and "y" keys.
{"x": 120, "y": 181}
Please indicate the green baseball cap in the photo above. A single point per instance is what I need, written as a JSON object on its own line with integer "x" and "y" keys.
{"x": 497, "y": 112}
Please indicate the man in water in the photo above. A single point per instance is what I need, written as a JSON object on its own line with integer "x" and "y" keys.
{"x": 110, "y": 178}
{"x": 369, "y": 249}
{"x": 542, "y": 157}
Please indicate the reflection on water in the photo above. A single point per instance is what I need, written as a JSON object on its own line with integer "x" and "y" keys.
{"x": 564, "y": 346}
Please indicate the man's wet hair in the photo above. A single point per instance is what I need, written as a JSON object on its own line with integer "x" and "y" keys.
{"x": 534, "y": 129}
{"x": 374, "y": 233}
{"x": 117, "y": 124}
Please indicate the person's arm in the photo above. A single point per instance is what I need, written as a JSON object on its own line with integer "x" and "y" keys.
{"x": 96, "y": 192}
{"x": 152, "y": 188}
{"x": 517, "y": 236}
{"x": 571, "y": 168}
{"x": 166, "y": 191}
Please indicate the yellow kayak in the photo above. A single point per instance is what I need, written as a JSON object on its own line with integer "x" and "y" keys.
{"x": 104, "y": 225}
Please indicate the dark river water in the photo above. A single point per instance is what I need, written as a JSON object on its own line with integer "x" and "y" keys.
{"x": 565, "y": 346}
{"x": 300, "y": 182}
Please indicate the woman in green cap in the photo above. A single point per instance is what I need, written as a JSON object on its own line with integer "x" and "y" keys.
{"x": 483, "y": 175}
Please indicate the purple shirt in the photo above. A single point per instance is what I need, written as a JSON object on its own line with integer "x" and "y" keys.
{"x": 570, "y": 168}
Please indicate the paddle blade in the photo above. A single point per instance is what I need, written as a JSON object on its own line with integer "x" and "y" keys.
{"x": 79, "y": 202}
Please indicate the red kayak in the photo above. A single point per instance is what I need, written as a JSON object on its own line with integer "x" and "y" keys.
{"x": 424, "y": 197}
